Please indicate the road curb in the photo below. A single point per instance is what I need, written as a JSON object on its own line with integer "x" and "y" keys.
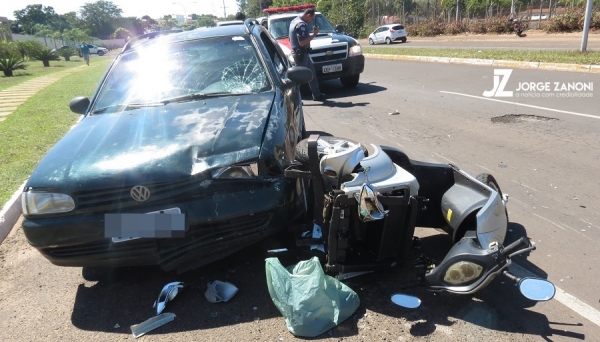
{"x": 491, "y": 62}
{"x": 10, "y": 213}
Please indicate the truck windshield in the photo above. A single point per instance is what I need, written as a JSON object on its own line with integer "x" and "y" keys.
{"x": 280, "y": 28}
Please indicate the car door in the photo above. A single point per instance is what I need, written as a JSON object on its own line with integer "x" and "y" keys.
{"x": 290, "y": 97}
{"x": 380, "y": 34}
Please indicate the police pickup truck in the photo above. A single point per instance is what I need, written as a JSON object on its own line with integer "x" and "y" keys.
{"x": 334, "y": 54}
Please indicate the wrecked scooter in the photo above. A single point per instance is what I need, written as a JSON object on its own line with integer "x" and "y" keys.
{"x": 367, "y": 204}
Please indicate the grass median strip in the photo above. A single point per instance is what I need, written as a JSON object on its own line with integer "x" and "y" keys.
{"x": 36, "y": 69}
{"x": 571, "y": 57}
{"x": 30, "y": 131}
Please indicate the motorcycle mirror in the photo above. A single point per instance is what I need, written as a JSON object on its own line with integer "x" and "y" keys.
{"x": 406, "y": 301}
{"x": 537, "y": 289}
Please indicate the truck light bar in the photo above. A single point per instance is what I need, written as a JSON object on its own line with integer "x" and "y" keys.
{"x": 287, "y": 9}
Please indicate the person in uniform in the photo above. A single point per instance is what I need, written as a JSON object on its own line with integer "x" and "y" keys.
{"x": 300, "y": 43}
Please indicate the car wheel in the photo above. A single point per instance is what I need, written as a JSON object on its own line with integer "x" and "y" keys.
{"x": 371, "y": 42}
{"x": 323, "y": 143}
{"x": 350, "y": 81}
{"x": 100, "y": 53}
{"x": 388, "y": 41}
{"x": 404, "y": 40}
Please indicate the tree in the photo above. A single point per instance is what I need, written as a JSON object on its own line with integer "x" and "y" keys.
{"x": 206, "y": 20}
{"x": 32, "y": 15}
{"x": 255, "y": 7}
{"x": 99, "y": 17}
{"x": 44, "y": 31}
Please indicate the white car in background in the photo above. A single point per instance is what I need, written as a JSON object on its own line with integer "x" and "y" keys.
{"x": 388, "y": 34}
{"x": 101, "y": 51}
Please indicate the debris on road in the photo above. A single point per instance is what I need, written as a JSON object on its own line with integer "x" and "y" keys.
{"x": 220, "y": 291}
{"x": 166, "y": 295}
{"x": 138, "y": 330}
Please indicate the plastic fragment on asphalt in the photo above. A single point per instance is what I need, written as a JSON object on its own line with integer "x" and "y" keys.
{"x": 117, "y": 326}
{"x": 220, "y": 291}
{"x": 166, "y": 295}
{"x": 138, "y": 330}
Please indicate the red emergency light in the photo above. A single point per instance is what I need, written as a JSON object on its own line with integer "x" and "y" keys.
{"x": 287, "y": 9}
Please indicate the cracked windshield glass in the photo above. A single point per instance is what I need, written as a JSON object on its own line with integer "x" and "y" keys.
{"x": 160, "y": 73}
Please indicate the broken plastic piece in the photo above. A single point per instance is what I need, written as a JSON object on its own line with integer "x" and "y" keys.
{"x": 167, "y": 294}
{"x": 152, "y": 323}
{"x": 220, "y": 291}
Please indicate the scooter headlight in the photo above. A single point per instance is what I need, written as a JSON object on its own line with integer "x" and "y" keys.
{"x": 462, "y": 272}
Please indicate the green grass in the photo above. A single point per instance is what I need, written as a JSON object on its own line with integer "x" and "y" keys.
{"x": 574, "y": 57}
{"x": 30, "y": 131}
{"x": 36, "y": 69}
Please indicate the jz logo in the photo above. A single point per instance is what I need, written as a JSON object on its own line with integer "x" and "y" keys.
{"x": 499, "y": 84}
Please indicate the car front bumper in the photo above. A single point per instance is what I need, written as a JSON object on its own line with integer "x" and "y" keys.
{"x": 350, "y": 66}
{"x": 216, "y": 226}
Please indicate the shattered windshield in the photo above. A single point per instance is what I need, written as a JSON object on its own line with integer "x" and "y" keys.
{"x": 218, "y": 66}
{"x": 279, "y": 28}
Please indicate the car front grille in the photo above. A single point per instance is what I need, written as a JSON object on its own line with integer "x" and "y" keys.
{"x": 109, "y": 199}
{"x": 335, "y": 51}
{"x": 105, "y": 247}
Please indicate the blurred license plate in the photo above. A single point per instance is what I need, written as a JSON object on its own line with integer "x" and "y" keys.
{"x": 126, "y": 227}
{"x": 332, "y": 68}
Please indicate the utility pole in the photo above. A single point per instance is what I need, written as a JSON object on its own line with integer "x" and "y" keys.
{"x": 224, "y": 10}
{"x": 457, "y": 10}
{"x": 586, "y": 25}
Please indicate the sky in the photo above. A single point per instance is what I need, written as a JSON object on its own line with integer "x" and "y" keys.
{"x": 131, "y": 8}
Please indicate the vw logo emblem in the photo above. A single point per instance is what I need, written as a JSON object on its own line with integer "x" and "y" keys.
{"x": 140, "y": 193}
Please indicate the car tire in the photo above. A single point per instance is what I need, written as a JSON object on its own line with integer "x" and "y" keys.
{"x": 371, "y": 42}
{"x": 350, "y": 81}
{"x": 490, "y": 181}
{"x": 404, "y": 40}
{"x": 302, "y": 147}
{"x": 388, "y": 41}
{"x": 100, "y": 53}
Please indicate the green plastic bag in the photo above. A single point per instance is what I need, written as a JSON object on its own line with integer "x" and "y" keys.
{"x": 310, "y": 301}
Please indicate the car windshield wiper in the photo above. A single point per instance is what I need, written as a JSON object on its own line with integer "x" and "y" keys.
{"x": 122, "y": 107}
{"x": 198, "y": 96}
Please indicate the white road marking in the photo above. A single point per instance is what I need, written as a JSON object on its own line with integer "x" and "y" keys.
{"x": 524, "y": 105}
{"x": 483, "y": 167}
{"x": 591, "y": 224}
{"x": 528, "y": 187}
{"x": 439, "y": 155}
{"x": 561, "y": 227}
{"x": 564, "y": 298}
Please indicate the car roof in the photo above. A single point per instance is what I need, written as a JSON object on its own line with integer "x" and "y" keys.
{"x": 286, "y": 15}
{"x": 199, "y": 33}
{"x": 390, "y": 25}
{"x": 230, "y": 22}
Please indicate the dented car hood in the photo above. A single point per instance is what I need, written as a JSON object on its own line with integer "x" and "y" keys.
{"x": 156, "y": 144}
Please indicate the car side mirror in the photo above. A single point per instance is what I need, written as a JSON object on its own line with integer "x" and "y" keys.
{"x": 298, "y": 75}
{"x": 339, "y": 29}
{"x": 79, "y": 104}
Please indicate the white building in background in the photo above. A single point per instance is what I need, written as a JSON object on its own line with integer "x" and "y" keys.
{"x": 179, "y": 17}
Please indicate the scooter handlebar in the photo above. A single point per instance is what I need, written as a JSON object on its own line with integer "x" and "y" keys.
{"x": 521, "y": 243}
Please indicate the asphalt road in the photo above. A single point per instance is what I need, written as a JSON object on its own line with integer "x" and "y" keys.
{"x": 535, "y": 40}
{"x": 544, "y": 156}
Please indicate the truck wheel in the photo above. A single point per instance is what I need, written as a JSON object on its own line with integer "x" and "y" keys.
{"x": 350, "y": 81}
{"x": 100, "y": 53}
{"x": 302, "y": 147}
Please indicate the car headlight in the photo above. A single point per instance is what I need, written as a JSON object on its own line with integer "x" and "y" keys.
{"x": 462, "y": 272}
{"x": 355, "y": 50}
{"x": 39, "y": 203}
{"x": 237, "y": 171}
